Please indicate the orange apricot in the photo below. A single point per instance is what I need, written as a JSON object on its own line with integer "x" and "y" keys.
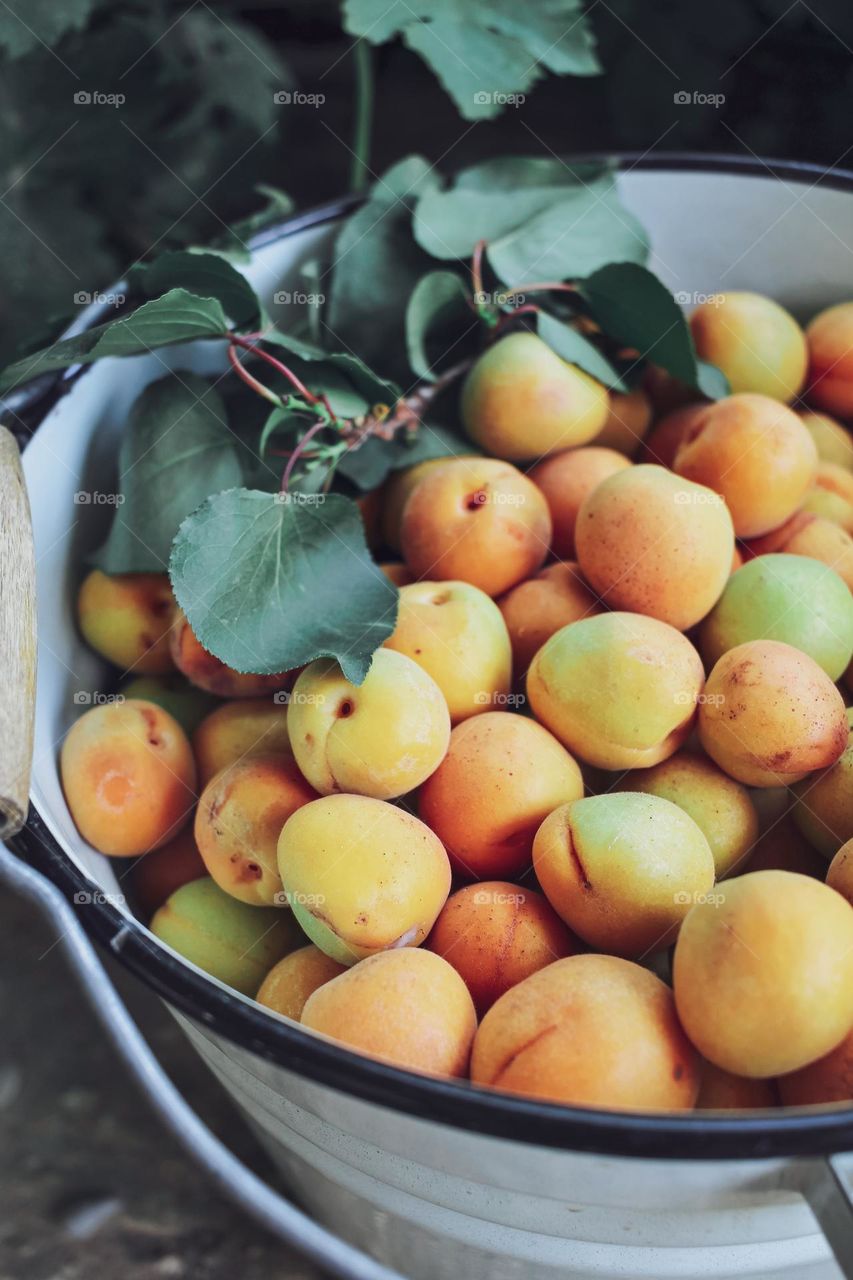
{"x": 126, "y": 618}
{"x": 566, "y": 479}
{"x": 201, "y": 668}
{"x": 830, "y": 342}
{"x": 237, "y": 730}
{"x": 289, "y": 983}
{"x": 536, "y": 609}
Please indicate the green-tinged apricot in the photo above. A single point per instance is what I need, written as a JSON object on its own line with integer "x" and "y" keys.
{"x": 406, "y": 1007}
{"x": 457, "y": 634}
{"x": 495, "y": 934}
{"x": 823, "y": 810}
{"x": 722, "y": 1091}
{"x": 395, "y": 495}
{"x": 187, "y": 704}
{"x": 770, "y": 715}
{"x": 782, "y": 597}
{"x": 619, "y": 690}
{"x": 781, "y": 847}
{"x": 758, "y": 345}
{"x": 566, "y": 479}
{"x": 623, "y": 869}
{"x": 129, "y": 777}
{"x": 126, "y": 618}
{"x": 757, "y": 454}
{"x": 763, "y": 974}
{"x": 720, "y": 807}
{"x": 476, "y": 520}
{"x": 808, "y": 535}
{"x": 158, "y": 874}
{"x": 362, "y": 875}
{"x": 289, "y": 983}
{"x": 593, "y": 1031}
{"x": 238, "y": 821}
{"x": 840, "y": 874}
{"x": 829, "y": 506}
{"x": 544, "y": 604}
{"x": 381, "y": 738}
{"x": 629, "y": 417}
{"x": 521, "y": 401}
{"x": 836, "y": 479}
{"x": 833, "y": 442}
{"x": 231, "y": 941}
{"x": 663, "y": 442}
{"x": 830, "y": 342}
{"x": 238, "y": 730}
{"x": 201, "y": 668}
{"x": 650, "y": 542}
{"x": 502, "y": 775}
{"x": 829, "y": 1080}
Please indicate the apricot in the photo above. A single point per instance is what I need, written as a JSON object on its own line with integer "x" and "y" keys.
{"x": 664, "y": 441}
{"x": 619, "y": 690}
{"x": 495, "y": 934}
{"x": 396, "y": 572}
{"x": 406, "y": 1007}
{"x": 174, "y": 694}
{"x": 231, "y": 941}
{"x": 370, "y": 508}
{"x": 238, "y": 730}
{"x": 238, "y": 821}
{"x": 623, "y": 869}
{"x": 289, "y": 983}
{"x": 830, "y": 342}
{"x": 782, "y": 848}
{"x": 650, "y": 542}
{"x": 823, "y": 809}
{"x": 129, "y": 777}
{"x": 809, "y": 535}
{"x": 566, "y": 479}
{"x": 362, "y": 875}
{"x": 476, "y": 520}
{"x": 502, "y": 775}
{"x": 457, "y": 634}
{"x": 833, "y": 442}
{"x": 722, "y": 1091}
{"x": 782, "y": 597}
{"x": 521, "y": 400}
{"x": 126, "y": 619}
{"x": 829, "y": 506}
{"x": 840, "y": 874}
{"x": 534, "y": 610}
{"x": 158, "y": 874}
{"x": 721, "y": 808}
{"x": 201, "y": 668}
{"x": 395, "y": 495}
{"x": 763, "y": 975}
{"x": 830, "y": 1079}
{"x": 381, "y": 738}
{"x": 757, "y": 454}
{"x": 629, "y": 417}
{"x": 835, "y": 479}
{"x": 770, "y": 715}
{"x": 666, "y": 392}
{"x": 758, "y": 345}
{"x": 589, "y": 1030}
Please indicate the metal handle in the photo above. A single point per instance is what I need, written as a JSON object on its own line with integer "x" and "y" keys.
{"x": 17, "y": 640}
{"x": 827, "y": 1185}
{"x": 236, "y": 1180}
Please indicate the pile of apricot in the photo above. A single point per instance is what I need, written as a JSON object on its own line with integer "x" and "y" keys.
{"x": 585, "y": 831}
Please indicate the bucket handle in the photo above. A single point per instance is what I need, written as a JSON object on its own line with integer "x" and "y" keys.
{"x": 17, "y": 639}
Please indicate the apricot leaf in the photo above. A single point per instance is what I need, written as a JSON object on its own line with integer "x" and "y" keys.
{"x": 369, "y": 464}
{"x": 574, "y": 347}
{"x": 206, "y": 274}
{"x": 336, "y": 371}
{"x": 269, "y": 583}
{"x": 438, "y": 309}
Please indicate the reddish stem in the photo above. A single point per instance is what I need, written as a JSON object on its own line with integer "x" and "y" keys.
{"x": 297, "y": 384}
{"x": 528, "y": 309}
{"x": 543, "y": 286}
{"x": 243, "y": 373}
{"x": 477, "y": 268}
{"x": 298, "y": 453}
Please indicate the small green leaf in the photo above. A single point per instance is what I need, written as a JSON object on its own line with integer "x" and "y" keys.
{"x": 269, "y": 584}
{"x": 207, "y": 275}
{"x": 372, "y": 462}
{"x": 574, "y": 347}
{"x": 338, "y": 369}
{"x": 281, "y": 421}
{"x": 438, "y": 306}
{"x": 176, "y": 449}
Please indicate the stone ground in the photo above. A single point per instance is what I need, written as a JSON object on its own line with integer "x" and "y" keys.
{"x": 92, "y": 1187}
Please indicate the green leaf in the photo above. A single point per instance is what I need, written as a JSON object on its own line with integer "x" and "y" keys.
{"x": 280, "y": 421}
{"x": 30, "y": 24}
{"x": 632, "y": 305}
{"x": 338, "y": 370}
{"x": 574, "y": 347}
{"x": 207, "y": 275}
{"x": 268, "y": 584}
{"x": 370, "y": 464}
{"x": 176, "y": 450}
{"x": 439, "y": 304}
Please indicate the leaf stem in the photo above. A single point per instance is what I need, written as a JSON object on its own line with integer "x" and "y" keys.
{"x": 297, "y": 384}
{"x": 477, "y": 270}
{"x": 543, "y": 286}
{"x": 298, "y": 453}
{"x": 242, "y": 372}
{"x": 363, "y": 105}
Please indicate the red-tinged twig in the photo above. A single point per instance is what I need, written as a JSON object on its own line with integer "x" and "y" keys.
{"x": 297, "y": 383}
{"x": 299, "y": 452}
{"x": 477, "y": 269}
{"x": 243, "y": 373}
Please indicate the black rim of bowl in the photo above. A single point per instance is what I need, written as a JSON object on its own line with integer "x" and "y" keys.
{"x": 690, "y": 1135}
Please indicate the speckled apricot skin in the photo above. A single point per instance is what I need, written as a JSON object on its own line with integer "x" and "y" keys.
{"x": 238, "y": 821}
{"x": 720, "y": 807}
{"x": 806, "y": 534}
{"x": 407, "y": 1007}
{"x": 769, "y": 715}
{"x": 126, "y": 618}
{"x": 622, "y": 869}
{"x": 361, "y": 875}
{"x": 495, "y": 934}
{"x": 757, "y": 343}
{"x": 763, "y": 975}
{"x": 201, "y": 668}
{"x": 381, "y": 738}
{"x": 458, "y": 635}
{"x": 722, "y": 1091}
{"x": 823, "y": 808}
{"x": 840, "y": 874}
{"x": 566, "y": 479}
{"x": 833, "y": 441}
{"x": 619, "y": 690}
{"x": 479, "y": 521}
{"x": 503, "y": 773}
{"x": 650, "y": 542}
{"x": 664, "y": 440}
{"x": 157, "y": 875}
{"x": 129, "y": 777}
{"x": 628, "y": 419}
{"x": 395, "y": 494}
{"x": 287, "y": 986}
{"x": 589, "y": 1030}
{"x": 544, "y": 604}
{"x": 521, "y": 401}
{"x": 757, "y": 454}
{"x": 237, "y": 730}
{"x": 830, "y": 377}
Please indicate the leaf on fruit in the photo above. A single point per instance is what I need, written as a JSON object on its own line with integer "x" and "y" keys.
{"x": 205, "y": 274}
{"x": 367, "y": 466}
{"x": 632, "y": 305}
{"x": 577, "y": 349}
{"x": 270, "y": 584}
{"x": 175, "y": 450}
{"x": 438, "y": 320}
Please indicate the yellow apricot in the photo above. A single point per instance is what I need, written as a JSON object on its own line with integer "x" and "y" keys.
{"x": 289, "y": 983}
{"x": 237, "y": 730}
{"x": 833, "y": 442}
{"x": 809, "y": 535}
{"x": 823, "y": 808}
{"x": 663, "y": 442}
{"x": 628, "y": 419}
{"x": 126, "y": 618}
{"x": 758, "y": 345}
{"x": 566, "y": 479}
{"x": 830, "y": 342}
{"x": 395, "y": 495}
{"x": 840, "y": 874}
{"x": 536, "y": 609}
